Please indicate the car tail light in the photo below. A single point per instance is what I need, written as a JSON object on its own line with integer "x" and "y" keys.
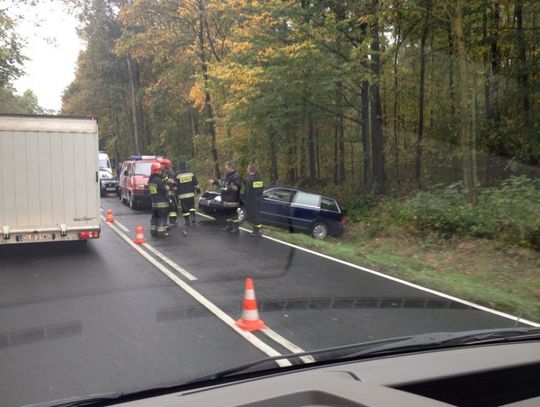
{"x": 344, "y": 220}
{"x": 95, "y": 234}
{"x": 84, "y": 235}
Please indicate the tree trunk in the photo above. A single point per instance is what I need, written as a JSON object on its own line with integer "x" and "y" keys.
{"x": 272, "y": 136}
{"x": 522, "y": 67}
{"x": 495, "y": 67}
{"x": 194, "y": 127}
{"x": 133, "y": 104}
{"x": 377, "y": 137}
{"x": 421, "y": 95}
{"x": 395, "y": 108}
{"x": 339, "y": 165}
{"x": 311, "y": 146}
{"x": 291, "y": 162}
{"x": 451, "y": 90}
{"x": 317, "y": 156}
{"x": 366, "y": 173}
{"x": 336, "y": 140}
{"x": 302, "y": 157}
{"x": 465, "y": 128}
{"x": 210, "y": 127}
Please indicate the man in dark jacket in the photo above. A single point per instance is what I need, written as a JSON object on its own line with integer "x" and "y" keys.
{"x": 186, "y": 188}
{"x": 230, "y": 195}
{"x": 253, "y": 189}
{"x": 160, "y": 202}
{"x": 169, "y": 180}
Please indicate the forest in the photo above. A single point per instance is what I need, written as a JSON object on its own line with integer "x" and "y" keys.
{"x": 360, "y": 99}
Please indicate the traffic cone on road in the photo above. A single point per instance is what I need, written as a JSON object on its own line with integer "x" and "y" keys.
{"x": 250, "y": 316}
{"x": 139, "y": 235}
{"x": 109, "y": 218}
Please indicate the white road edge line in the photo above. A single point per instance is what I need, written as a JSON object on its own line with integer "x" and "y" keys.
{"x": 287, "y": 344}
{"x": 398, "y": 280}
{"x": 171, "y": 263}
{"x": 419, "y": 287}
{"x": 206, "y": 216}
{"x": 205, "y": 302}
{"x": 125, "y": 229}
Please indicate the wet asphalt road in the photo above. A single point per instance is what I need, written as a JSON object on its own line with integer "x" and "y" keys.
{"x": 79, "y": 320}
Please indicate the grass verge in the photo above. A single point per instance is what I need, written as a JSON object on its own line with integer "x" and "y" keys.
{"x": 493, "y": 274}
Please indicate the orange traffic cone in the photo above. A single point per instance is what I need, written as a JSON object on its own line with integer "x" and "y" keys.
{"x": 250, "y": 316}
{"x": 139, "y": 235}
{"x": 109, "y": 216}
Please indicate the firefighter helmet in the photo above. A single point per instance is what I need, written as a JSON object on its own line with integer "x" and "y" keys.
{"x": 165, "y": 162}
{"x": 155, "y": 168}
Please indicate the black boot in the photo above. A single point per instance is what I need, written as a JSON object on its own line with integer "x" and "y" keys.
{"x": 228, "y": 227}
{"x": 256, "y": 232}
{"x": 235, "y": 227}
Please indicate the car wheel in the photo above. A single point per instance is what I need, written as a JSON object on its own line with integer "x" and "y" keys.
{"x": 132, "y": 202}
{"x": 242, "y": 214}
{"x": 319, "y": 230}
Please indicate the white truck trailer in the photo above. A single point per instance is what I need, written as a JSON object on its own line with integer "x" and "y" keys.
{"x": 49, "y": 185}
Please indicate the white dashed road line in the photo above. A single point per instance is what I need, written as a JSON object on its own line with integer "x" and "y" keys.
{"x": 171, "y": 263}
{"x": 125, "y": 229}
{"x": 286, "y": 344}
{"x": 268, "y": 350}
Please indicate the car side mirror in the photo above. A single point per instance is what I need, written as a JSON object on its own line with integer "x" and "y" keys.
{"x": 125, "y": 173}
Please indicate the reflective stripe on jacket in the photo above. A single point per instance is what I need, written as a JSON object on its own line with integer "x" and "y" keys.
{"x": 158, "y": 191}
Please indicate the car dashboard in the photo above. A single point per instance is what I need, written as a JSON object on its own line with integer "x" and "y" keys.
{"x": 486, "y": 375}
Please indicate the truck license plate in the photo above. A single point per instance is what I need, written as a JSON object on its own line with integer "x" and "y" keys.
{"x": 35, "y": 238}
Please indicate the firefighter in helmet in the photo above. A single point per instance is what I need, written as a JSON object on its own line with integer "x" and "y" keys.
{"x": 160, "y": 201}
{"x": 187, "y": 187}
{"x": 230, "y": 195}
{"x": 168, "y": 179}
{"x": 253, "y": 189}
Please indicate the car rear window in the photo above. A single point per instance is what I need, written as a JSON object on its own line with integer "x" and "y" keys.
{"x": 329, "y": 204}
{"x": 303, "y": 198}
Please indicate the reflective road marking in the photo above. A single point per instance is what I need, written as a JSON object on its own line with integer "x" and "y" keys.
{"x": 268, "y": 350}
{"x": 171, "y": 263}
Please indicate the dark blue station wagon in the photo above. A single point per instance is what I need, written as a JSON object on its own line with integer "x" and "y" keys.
{"x": 290, "y": 208}
{"x": 301, "y": 211}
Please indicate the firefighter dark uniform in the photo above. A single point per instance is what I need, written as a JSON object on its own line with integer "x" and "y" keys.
{"x": 253, "y": 189}
{"x": 186, "y": 188}
{"x": 230, "y": 199}
{"x": 160, "y": 202}
{"x": 169, "y": 180}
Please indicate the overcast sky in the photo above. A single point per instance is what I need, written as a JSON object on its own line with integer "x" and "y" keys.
{"x": 52, "y": 48}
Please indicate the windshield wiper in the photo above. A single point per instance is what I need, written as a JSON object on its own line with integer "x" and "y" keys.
{"x": 88, "y": 400}
{"x": 389, "y": 346}
{"x": 413, "y": 343}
